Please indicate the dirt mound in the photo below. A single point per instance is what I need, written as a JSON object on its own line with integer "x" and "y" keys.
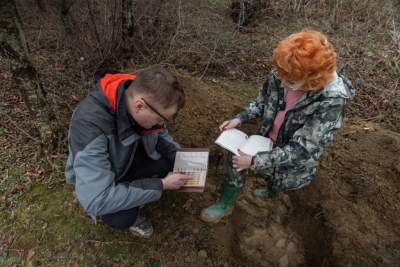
{"x": 358, "y": 190}
{"x": 263, "y": 239}
{"x": 207, "y": 106}
{"x": 348, "y": 217}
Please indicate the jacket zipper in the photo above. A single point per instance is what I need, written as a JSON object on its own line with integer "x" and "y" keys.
{"x": 293, "y": 110}
{"x": 131, "y": 148}
{"x": 126, "y": 161}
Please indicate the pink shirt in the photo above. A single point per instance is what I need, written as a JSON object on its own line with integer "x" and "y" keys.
{"x": 290, "y": 98}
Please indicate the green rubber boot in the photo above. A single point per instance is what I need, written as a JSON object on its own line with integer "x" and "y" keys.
{"x": 224, "y": 207}
{"x": 265, "y": 193}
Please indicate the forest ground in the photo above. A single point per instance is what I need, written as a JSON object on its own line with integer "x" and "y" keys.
{"x": 349, "y": 216}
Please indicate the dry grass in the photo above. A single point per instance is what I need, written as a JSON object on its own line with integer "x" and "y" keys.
{"x": 363, "y": 32}
{"x": 206, "y": 38}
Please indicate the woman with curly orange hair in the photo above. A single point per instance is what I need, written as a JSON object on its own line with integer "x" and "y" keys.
{"x": 302, "y": 105}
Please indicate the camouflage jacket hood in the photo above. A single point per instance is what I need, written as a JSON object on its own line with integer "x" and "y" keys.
{"x": 307, "y": 129}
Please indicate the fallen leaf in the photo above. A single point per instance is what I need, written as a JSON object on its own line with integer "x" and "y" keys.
{"x": 32, "y": 174}
{"x": 187, "y": 205}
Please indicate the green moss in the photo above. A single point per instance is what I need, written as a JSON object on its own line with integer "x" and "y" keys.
{"x": 50, "y": 223}
{"x": 9, "y": 260}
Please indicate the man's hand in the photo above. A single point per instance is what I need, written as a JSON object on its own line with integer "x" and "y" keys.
{"x": 241, "y": 162}
{"x": 175, "y": 181}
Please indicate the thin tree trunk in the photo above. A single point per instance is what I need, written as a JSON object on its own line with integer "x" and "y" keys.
{"x": 94, "y": 24}
{"x": 127, "y": 18}
{"x": 127, "y": 31}
{"x": 25, "y": 75}
{"x": 64, "y": 13}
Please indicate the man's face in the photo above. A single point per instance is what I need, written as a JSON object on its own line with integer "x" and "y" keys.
{"x": 148, "y": 114}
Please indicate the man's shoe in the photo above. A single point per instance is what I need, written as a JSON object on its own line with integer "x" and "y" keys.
{"x": 265, "y": 193}
{"x": 142, "y": 226}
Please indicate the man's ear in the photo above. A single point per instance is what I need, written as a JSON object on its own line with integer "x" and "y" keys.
{"x": 138, "y": 104}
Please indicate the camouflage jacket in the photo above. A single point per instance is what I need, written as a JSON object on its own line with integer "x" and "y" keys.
{"x": 307, "y": 129}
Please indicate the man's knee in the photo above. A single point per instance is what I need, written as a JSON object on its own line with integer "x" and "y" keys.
{"x": 121, "y": 220}
{"x": 119, "y": 225}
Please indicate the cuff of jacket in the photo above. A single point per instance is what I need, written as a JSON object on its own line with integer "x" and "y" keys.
{"x": 241, "y": 119}
{"x": 148, "y": 184}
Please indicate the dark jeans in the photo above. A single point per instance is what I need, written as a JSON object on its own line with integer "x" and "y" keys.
{"x": 142, "y": 167}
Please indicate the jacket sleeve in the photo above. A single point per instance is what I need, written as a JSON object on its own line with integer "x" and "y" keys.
{"x": 256, "y": 108}
{"x": 308, "y": 142}
{"x": 166, "y": 146}
{"x": 94, "y": 181}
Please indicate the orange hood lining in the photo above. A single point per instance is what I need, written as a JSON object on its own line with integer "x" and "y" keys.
{"x": 109, "y": 84}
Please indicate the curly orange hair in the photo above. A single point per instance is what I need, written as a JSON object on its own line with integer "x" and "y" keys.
{"x": 306, "y": 56}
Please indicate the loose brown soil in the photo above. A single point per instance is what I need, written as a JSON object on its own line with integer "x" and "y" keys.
{"x": 348, "y": 217}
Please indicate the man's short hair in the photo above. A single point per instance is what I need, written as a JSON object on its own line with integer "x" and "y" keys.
{"x": 160, "y": 86}
{"x": 306, "y": 56}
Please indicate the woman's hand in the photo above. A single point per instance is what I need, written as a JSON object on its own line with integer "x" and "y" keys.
{"x": 226, "y": 125}
{"x": 241, "y": 162}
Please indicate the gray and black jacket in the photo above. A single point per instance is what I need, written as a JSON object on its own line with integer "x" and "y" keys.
{"x": 102, "y": 144}
{"x": 307, "y": 129}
